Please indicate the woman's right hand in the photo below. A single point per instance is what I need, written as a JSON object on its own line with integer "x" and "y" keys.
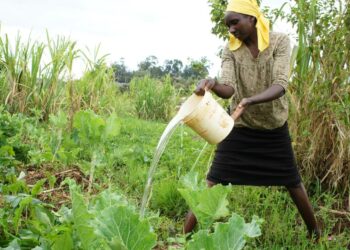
{"x": 204, "y": 85}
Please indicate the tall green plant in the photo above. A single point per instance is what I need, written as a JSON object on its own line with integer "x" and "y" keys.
{"x": 14, "y": 62}
{"x": 96, "y": 89}
{"x": 61, "y": 53}
{"x": 153, "y": 100}
{"x": 30, "y": 82}
{"x": 92, "y": 132}
{"x": 320, "y": 90}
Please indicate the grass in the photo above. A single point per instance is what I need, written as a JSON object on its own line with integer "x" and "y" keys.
{"x": 283, "y": 227}
{"x": 128, "y": 159}
{"x": 30, "y": 84}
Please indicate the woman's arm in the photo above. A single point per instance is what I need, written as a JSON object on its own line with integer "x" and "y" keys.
{"x": 224, "y": 87}
{"x": 221, "y": 90}
{"x": 270, "y": 94}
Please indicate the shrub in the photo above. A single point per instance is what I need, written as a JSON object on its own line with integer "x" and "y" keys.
{"x": 153, "y": 100}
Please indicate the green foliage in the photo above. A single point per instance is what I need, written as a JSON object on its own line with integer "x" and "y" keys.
{"x": 29, "y": 83}
{"x": 109, "y": 223}
{"x": 181, "y": 74}
{"x": 124, "y": 230}
{"x": 217, "y": 12}
{"x": 153, "y": 100}
{"x": 125, "y": 166}
{"x": 53, "y": 143}
{"x": 61, "y": 145}
{"x": 197, "y": 69}
{"x": 81, "y": 218}
{"x": 92, "y": 131}
{"x": 320, "y": 91}
{"x": 12, "y": 148}
{"x": 121, "y": 73}
{"x": 150, "y": 67}
{"x": 96, "y": 89}
{"x": 167, "y": 199}
{"x": 209, "y": 204}
{"x": 227, "y": 236}
{"x": 23, "y": 214}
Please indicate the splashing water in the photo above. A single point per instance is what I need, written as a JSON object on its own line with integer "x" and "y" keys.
{"x": 163, "y": 141}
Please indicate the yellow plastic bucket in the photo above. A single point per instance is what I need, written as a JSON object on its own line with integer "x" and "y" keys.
{"x": 206, "y": 117}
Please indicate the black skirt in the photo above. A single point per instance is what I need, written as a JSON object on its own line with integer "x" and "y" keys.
{"x": 255, "y": 157}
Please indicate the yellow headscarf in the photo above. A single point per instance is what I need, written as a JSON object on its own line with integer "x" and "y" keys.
{"x": 251, "y": 8}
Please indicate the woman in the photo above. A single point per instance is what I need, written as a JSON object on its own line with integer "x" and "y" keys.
{"x": 255, "y": 70}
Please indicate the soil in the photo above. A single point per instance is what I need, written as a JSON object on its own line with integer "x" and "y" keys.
{"x": 58, "y": 194}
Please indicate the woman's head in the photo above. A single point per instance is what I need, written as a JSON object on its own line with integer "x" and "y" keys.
{"x": 244, "y": 17}
{"x": 240, "y": 25}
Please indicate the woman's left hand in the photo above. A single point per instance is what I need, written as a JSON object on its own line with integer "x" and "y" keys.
{"x": 240, "y": 108}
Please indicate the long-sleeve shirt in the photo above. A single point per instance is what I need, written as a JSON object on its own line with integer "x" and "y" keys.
{"x": 250, "y": 76}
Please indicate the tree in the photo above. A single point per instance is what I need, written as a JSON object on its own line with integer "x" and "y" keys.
{"x": 150, "y": 66}
{"x": 173, "y": 67}
{"x": 121, "y": 73}
{"x": 197, "y": 69}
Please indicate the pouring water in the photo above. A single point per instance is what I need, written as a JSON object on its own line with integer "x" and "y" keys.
{"x": 205, "y": 116}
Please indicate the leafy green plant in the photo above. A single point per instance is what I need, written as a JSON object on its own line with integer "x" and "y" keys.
{"x": 226, "y": 236}
{"x": 110, "y": 223}
{"x": 22, "y": 209}
{"x": 12, "y": 148}
{"x": 207, "y": 204}
{"x": 53, "y": 145}
{"x": 210, "y": 205}
{"x": 91, "y": 132}
{"x": 123, "y": 229}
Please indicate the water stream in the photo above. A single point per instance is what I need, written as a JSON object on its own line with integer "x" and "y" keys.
{"x": 209, "y": 111}
{"x": 163, "y": 141}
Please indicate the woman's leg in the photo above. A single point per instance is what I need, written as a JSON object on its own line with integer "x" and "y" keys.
{"x": 191, "y": 220}
{"x": 301, "y": 200}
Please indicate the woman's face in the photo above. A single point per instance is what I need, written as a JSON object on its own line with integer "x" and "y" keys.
{"x": 239, "y": 25}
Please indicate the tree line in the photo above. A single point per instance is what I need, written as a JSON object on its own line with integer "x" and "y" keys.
{"x": 179, "y": 71}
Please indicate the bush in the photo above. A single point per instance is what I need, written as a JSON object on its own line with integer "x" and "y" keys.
{"x": 153, "y": 100}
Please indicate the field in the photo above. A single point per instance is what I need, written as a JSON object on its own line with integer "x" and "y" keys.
{"x": 75, "y": 153}
{"x": 41, "y": 198}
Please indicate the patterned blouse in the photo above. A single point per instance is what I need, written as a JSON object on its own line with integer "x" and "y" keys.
{"x": 250, "y": 76}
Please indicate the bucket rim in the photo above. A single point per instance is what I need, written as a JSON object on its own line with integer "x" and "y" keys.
{"x": 204, "y": 97}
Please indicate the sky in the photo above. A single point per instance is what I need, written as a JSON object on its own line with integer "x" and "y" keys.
{"x": 129, "y": 29}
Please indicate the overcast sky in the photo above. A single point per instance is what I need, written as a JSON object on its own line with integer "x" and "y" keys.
{"x": 132, "y": 29}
